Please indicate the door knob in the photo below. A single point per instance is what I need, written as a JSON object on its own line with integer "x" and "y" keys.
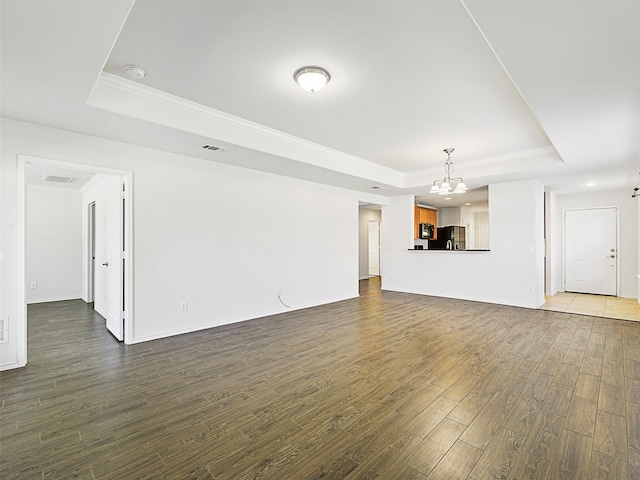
{"x": 106, "y": 264}
{"x": 613, "y": 256}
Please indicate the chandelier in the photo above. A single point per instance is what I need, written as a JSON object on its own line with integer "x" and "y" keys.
{"x": 448, "y": 184}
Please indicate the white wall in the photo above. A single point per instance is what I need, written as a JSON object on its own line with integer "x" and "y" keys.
{"x": 553, "y": 238}
{"x": 222, "y": 238}
{"x": 628, "y": 254}
{"x": 366, "y": 214}
{"x": 512, "y": 273}
{"x": 54, "y": 244}
{"x": 449, "y": 216}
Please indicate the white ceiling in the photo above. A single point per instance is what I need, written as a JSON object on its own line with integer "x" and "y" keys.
{"x": 547, "y": 90}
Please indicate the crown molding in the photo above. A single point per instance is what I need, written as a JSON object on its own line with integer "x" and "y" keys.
{"x": 280, "y": 143}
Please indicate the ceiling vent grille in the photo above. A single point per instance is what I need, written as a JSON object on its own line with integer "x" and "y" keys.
{"x": 214, "y": 148}
{"x": 58, "y": 179}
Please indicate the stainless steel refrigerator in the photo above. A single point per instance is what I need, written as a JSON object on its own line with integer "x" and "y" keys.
{"x": 449, "y": 238}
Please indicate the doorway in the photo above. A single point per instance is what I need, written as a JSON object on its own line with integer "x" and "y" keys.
{"x": 591, "y": 250}
{"x": 90, "y": 216}
{"x": 369, "y": 244}
{"x": 374, "y": 248}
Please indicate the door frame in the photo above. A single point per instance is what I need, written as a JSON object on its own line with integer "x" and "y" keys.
{"x": 563, "y": 234}
{"x": 21, "y": 201}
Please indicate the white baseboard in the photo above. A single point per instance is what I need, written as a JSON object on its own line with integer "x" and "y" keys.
{"x": 56, "y": 299}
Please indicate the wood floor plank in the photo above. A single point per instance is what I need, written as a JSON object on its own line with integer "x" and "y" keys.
{"x": 567, "y": 375}
{"x": 423, "y": 423}
{"x": 469, "y": 407}
{"x": 604, "y": 467}
{"x": 482, "y": 429}
{"x": 581, "y": 416}
{"x": 611, "y": 399}
{"x": 572, "y": 456}
{"x": 499, "y": 457}
{"x": 610, "y": 437}
{"x": 435, "y": 446}
{"x": 457, "y": 463}
{"x": 387, "y": 385}
{"x": 587, "y": 386}
{"x": 529, "y": 467}
{"x": 538, "y": 385}
{"x": 558, "y": 399}
{"x": 633, "y": 434}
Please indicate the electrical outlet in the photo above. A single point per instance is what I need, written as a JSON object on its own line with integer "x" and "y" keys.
{"x": 531, "y": 288}
{"x": 34, "y": 285}
{"x": 4, "y": 330}
{"x": 184, "y": 306}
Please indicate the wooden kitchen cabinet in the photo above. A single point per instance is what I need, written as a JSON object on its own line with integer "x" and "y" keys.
{"x": 424, "y": 215}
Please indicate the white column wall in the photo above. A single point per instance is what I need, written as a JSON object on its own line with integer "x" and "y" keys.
{"x": 512, "y": 273}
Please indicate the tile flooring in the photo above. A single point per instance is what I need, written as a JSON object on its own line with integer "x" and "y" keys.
{"x": 595, "y": 305}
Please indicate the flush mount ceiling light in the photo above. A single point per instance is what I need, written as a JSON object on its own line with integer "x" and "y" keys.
{"x": 311, "y": 79}
{"x": 135, "y": 72}
{"x": 448, "y": 184}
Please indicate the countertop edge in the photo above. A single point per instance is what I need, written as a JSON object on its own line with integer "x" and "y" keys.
{"x": 445, "y": 250}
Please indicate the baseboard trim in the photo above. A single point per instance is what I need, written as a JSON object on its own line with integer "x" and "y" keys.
{"x": 56, "y": 299}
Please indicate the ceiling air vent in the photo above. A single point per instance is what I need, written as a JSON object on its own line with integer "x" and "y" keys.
{"x": 57, "y": 179}
{"x": 213, "y": 148}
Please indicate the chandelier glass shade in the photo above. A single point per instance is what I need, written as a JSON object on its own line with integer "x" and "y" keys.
{"x": 448, "y": 184}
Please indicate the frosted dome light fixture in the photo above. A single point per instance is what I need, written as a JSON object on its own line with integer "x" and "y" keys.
{"x": 311, "y": 79}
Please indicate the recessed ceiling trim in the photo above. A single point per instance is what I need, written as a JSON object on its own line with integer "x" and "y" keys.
{"x": 514, "y": 162}
{"x": 136, "y": 100}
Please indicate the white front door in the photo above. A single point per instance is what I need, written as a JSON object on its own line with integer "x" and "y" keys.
{"x": 374, "y": 248}
{"x": 591, "y": 256}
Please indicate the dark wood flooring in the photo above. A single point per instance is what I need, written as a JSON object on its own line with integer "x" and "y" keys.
{"x": 387, "y": 386}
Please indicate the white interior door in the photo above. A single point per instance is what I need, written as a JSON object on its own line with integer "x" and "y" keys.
{"x": 108, "y": 246}
{"x": 374, "y": 248}
{"x": 91, "y": 245}
{"x": 100, "y": 252}
{"x": 591, "y": 256}
{"x": 115, "y": 323}
{"x": 482, "y": 230}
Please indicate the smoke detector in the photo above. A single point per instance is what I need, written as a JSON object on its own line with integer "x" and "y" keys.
{"x": 135, "y": 72}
